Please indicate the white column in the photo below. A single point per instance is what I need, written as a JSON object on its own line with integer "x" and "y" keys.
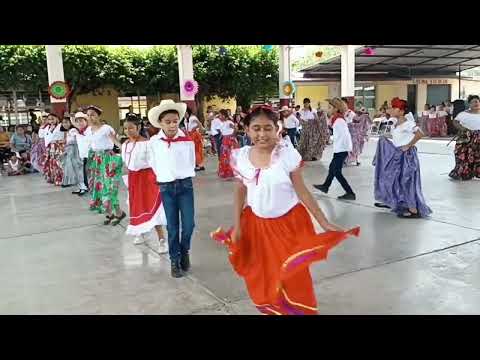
{"x": 283, "y": 72}
{"x": 185, "y": 69}
{"x": 55, "y": 67}
{"x": 348, "y": 70}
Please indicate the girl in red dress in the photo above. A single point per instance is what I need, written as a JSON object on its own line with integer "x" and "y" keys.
{"x": 145, "y": 201}
{"x": 273, "y": 241}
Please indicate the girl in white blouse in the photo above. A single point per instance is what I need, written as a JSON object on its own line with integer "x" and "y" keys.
{"x": 397, "y": 168}
{"x": 144, "y": 198}
{"x": 54, "y": 142}
{"x": 467, "y": 147}
{"x": 105, "y": 169}
{"x": 273, "y": 231}
{"x": 72, "y": 164}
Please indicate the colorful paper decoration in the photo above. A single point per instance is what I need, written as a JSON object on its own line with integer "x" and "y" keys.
{"x": 190, "y": 87}
{"x": 369, "y": 51}
{"x": 267, "y": 47}
{"x": 59, "y": 90}
{"x": 288, "y": 88}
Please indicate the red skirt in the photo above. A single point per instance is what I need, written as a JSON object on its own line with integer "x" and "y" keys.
{"x": 198, "y": 141}
{"x": 273, "y": 257}
{"x": 145, "y": 202}
{"x": 229, "y": 142}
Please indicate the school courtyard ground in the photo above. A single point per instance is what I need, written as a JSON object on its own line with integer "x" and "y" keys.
{"x": 58, "y": 258}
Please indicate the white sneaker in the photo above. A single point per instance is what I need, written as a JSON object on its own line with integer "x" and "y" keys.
{"x": 163, "y": 246}
{"x": 139, "y": 240}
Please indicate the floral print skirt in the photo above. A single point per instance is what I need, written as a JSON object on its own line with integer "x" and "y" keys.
{"x": 52, "y": 167}
{"x": 467, "y": 156}
{"x": 104, "y": 176}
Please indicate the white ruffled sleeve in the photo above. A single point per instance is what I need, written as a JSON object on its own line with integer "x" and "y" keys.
{"x": 291, "y": 159}
{"x": 237, "y": 158}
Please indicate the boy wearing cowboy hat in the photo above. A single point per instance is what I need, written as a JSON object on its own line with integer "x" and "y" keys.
{"x": 171, "y": 156}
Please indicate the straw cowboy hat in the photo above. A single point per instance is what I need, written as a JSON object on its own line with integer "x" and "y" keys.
{"x": 284, "y": 108}
{"x": 166, "y": 105}
{"x": 80, "y": 115}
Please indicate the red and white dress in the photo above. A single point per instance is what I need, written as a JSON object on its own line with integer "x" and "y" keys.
{"x": 144, "y": 198}
{"x": 278, "y": 241}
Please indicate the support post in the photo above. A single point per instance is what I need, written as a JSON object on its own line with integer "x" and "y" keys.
{"x": 55, "y": 73}
{"x": 185, "y": 72}
{"x": 283, "y": 73}
{"x": 348, "y": 74}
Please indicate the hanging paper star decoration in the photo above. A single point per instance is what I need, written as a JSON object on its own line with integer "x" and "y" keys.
{"x": 368, "y": 51}
{"x": 267, "y": 47}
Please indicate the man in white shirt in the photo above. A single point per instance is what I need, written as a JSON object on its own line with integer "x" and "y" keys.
{"x": 342, "y": 145}
{"x": 290, "y": 123}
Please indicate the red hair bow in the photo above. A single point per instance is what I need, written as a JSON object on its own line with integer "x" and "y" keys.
{"x": 399, "y": 103}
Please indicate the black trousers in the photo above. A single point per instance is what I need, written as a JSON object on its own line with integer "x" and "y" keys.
{"x": 335, "y": 171}
{"x": 85, "y": 175}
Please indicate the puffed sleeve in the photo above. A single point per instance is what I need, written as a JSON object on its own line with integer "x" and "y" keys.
{"x": 291, "y": 158}
{"x": 236, "y": 161}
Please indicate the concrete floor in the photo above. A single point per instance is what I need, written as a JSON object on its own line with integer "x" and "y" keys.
{"x": 57, "y": 257}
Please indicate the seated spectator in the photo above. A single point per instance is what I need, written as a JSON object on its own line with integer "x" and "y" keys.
{"x": 15, "y": 166}
{"x": 4, "y": 146}
{"x": 19, "y": 141}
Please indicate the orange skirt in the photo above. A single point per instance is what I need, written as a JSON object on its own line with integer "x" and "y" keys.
{"x": 198, "y": 141}
{"x": 273, "y": 257}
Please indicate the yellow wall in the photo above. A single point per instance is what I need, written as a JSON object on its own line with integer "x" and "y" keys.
{"x": 386, "y": 92}
{"x": 315, "y": 93}
{"x": 107, "y": 101}
{"x": 219, "y": 103}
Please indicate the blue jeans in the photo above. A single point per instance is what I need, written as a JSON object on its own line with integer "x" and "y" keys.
{"x": 218, "y": 144}
{"x": 177, "y": 198}
{"x": 292, "y": 134}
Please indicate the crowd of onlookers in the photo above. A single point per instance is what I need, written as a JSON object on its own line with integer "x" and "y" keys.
{"x": 15, "y": 145}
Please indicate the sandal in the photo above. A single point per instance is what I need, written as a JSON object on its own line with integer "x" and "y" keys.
{"x": 117, "y": 219}
{"x": 409, "y": 215}
{"x": 108, "y": 219}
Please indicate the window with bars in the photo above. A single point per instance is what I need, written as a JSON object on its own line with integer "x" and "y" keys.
{"x": 365, "y": 94}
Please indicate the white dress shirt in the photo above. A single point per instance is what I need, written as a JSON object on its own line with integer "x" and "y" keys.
{"x": 171, "y": 161}
{"x": 84, "y": 142}
{"x": 291, "y": 122}
{"x": 227, "y": 128}
{"x": 342, "y": 140}
{"x": 215, "y": 126}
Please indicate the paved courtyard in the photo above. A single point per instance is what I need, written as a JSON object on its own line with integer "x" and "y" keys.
{"x": 58, "y": 258}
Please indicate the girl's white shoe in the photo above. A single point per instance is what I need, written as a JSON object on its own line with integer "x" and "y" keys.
{"x": 163, "y": 246}
{"x": 139, "y": 240}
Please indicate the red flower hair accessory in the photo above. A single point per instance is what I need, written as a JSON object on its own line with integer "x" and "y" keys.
{"x": 399, "y": 103}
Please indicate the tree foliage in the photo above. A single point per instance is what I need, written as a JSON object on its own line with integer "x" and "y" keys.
{"x": 244, "y": 72}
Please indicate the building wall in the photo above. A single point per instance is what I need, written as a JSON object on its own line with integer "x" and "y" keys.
{"x": 107, "y": 101}
{"x": 219, "y": 103}
{"x": 387, "y": 91}
{"x": 316, "y": 94}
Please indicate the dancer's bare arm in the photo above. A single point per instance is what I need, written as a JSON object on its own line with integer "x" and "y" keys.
{"x": 307, "y": 199}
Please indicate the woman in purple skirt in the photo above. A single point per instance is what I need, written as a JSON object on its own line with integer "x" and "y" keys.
{"x": 397, "y": 169}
